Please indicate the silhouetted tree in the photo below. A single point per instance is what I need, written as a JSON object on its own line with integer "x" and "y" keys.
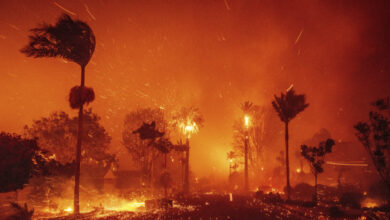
{"x": 142, "y": 152}
{"x": 58, "y": 132}
{"x": 375, "y": 137}
{"x": 22, "y": 213}
{"x": 289, "y": 105}
{"x": 315, "y": 156}
{"x": 16, "y": 161}
{"x": 72, "y": 40}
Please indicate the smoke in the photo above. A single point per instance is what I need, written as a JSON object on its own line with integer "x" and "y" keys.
{"x": 201, "y": 53}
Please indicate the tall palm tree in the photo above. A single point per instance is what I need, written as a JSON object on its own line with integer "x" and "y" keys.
{"x": 288, "y": 105}
{"x": 72, "y": 40}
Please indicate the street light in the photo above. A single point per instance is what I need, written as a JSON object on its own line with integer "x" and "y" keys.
{"x": 188, "y": 128}
{"x": 247, "y": 121}
{"x": 246, "y": 142}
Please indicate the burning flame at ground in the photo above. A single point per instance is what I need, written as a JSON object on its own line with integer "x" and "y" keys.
{"x": 371, "y": 203}
{"x": 69, "y": 209}
{"x": 106, "y": 202}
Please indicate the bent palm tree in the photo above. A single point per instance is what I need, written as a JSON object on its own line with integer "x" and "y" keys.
{"x": 288, "y": 105}
{"x": 72, "y": 40}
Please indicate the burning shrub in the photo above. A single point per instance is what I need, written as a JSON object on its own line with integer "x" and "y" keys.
{"x": 80, "y": 95}
{"x": 351, "y": 199}
{"x": 22, "y": 213}
{"x": 302, "y": 191}
{"x": 335, "y": 212}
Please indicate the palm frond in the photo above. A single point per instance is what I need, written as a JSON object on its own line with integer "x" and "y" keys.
{"x": 70, "y": 39}
{"x": 289, "y": 105}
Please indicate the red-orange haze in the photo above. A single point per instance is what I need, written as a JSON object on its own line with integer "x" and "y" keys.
{"x": 210, "y": 54}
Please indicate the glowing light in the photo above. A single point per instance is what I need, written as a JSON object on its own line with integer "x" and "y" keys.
{"x": 299, "y": 170}
{"x": 231, "y": 161}
{"x": 246, "y": 121}
{"x": 371, "y": 203}
{"x": 189, "y": 128}
{"x": 69, "y": 209}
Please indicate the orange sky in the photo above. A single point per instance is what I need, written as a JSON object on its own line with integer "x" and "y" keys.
{"x": 210, "y": 54}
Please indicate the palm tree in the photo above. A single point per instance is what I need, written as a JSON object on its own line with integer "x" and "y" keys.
{"x": 188, "y": 121}
{"x": 288, "y": 105}
{"x": 72, "y": 40}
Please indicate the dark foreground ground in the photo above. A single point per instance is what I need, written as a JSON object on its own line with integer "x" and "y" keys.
{"x": 219, "y": 207}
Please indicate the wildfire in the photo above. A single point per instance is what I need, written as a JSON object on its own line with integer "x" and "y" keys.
{"x": 189, "y": 128}
{"x": 370, "y": 203}
{"x": 107, "y": 202}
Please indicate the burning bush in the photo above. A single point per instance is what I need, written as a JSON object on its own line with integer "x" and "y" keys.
{"x": 351, "y": 199}
{"x": 80, "y": 95}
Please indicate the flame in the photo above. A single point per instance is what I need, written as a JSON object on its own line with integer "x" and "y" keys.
{"x": 371, "y": 203}
{"x": 108, "y": 202}
{"x": 189, "y": 128}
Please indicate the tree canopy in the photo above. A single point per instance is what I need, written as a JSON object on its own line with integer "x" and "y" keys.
{"x": 70, "y": 39}
{"x": 57, "y": 134}
{"x": 289, "y": 104}
{"x": 375, "y": 137}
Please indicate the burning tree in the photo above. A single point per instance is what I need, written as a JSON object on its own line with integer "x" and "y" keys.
{"x": 375, "y": 137}
{"x": 316, "y": 156}
{"x": 140, "y": 149}
{"x": 56, "y": 134}
{"x": 289, "y": 105}
{"x": 72, "y": 40}
{"x": 21, "y": 161}
{"x": 188, "y": 121}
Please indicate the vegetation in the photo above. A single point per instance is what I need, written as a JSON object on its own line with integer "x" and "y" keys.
{"x": 72, "y": 40}
{"x": 144, "y": 155}
{"x": 57, "y": 134}
{"x": 315, "y": 156}
{"x": 375, "y": 137}
{"x": 22, "y": 213}
{"x": 288, "y": 105}
{"x": 188, "y": 121}
{"x": 17, "y": 158}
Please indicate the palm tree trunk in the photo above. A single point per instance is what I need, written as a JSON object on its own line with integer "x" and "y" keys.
{"x": 287, "y": 162}
{"x": 78, "y": 151}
